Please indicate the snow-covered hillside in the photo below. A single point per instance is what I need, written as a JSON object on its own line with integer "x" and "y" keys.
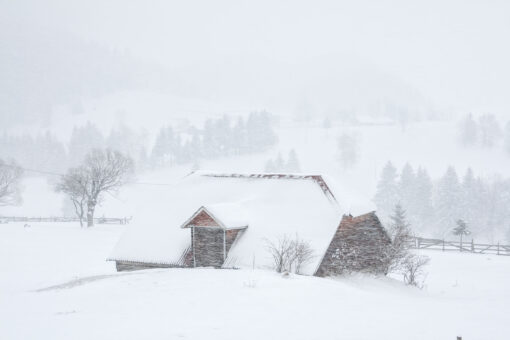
{"x": 431, "y": 145}
{"x": 56, "y": 285}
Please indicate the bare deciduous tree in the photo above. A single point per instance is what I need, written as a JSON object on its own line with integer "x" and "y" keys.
{"x": 103, "y": 171}
{"x": 10, "y": 175}
{"x": 73, "y": 184}
{"x": 289, "y": 254}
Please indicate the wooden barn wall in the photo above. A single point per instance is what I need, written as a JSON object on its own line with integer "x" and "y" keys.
{"x": 203, "y": 220}
{"x": 208, "y": 247}
{"x": 359, "y": 245}
{"x": 130, "y": 266}
{"x": 231, "y": 236}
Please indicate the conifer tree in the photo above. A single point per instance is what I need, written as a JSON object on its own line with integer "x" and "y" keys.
{"x": 293, "y": 162}
{"x": 423, "y": 199}
{"x": 507, "y": 138}
{"x": 407, "y": 190}
{"x": 468, "y": 134}
{"x": 269, "y": 166}
{"x": 461, "y": 230}
{"x": 490, "y": 131}
{"x": 279, "y": 163}
{"x": 386, "y": 196}
{"x": 347, "y": 150}
{"x": 447, "y": 198}
{"x": 83, "y": 140}
{"x": 399, "y": 227}
{"x": 468, "y": 205}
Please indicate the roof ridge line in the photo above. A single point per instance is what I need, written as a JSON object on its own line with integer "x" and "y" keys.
{"x": 318, "y": 179}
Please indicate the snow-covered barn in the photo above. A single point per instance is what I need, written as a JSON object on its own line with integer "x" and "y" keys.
{"x": 226, "y": 220}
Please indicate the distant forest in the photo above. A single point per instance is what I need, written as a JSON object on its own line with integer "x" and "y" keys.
{"x": 484, "y": 131}
{"x": 217, "y": 138}
{"x": 433, "y": 207}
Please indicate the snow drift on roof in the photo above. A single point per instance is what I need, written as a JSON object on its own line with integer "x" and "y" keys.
{"x": 270, "y": 206}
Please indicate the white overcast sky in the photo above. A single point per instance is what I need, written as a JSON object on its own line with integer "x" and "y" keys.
{"x": 456, "y": 53}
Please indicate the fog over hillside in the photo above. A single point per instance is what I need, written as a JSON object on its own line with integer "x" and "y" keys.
{"x": 428, "y": 60}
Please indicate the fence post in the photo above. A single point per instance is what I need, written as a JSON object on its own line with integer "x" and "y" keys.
{"x": 498, "y": 248}
{"x": 443, "y": 244}
{"x": 472, "y": 246}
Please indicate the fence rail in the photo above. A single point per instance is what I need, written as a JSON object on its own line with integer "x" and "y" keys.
{"x": 97, "y": 220}
{"x": 467, "y": 247}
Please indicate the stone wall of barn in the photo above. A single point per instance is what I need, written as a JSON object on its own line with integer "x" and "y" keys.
{"x": 208, "y": 247}
{"x": 359, "y": 245}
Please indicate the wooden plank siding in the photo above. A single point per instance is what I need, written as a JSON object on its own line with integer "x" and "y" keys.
{"x": 130, "y": 266}
{"x": 208, "y": 247}
{"x": 203, "y": 220}
{"x": 357, "y": 245}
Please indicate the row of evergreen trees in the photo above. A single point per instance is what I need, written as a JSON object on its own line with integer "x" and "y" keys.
{"x": 44, "y": 152}
{"x": 434, "y": 206}
{"x": 485, "y": 131}
{"x": 279, "y": 165}
{"x": 217, "y": 138}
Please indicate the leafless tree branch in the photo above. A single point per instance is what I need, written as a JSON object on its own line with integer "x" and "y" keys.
{"x": 10, "y": 175}
{"x": 289, "y": 254}
{"x": 103, "y": 171}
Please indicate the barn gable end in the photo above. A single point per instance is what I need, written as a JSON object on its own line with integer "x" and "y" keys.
{"x": 358, "y": 245}
{"x": 211, "y": 238}
{"x": 203, "y": 219}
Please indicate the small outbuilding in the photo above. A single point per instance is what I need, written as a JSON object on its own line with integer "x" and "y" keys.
{"x": 212, "y": 237}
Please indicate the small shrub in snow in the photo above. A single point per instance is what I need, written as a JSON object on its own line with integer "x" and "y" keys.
{"x": 400, "y": 234}
{"x": 400, "y": 259}
{"x": 302, "y": 254}
{"x": 412, "y": 269}
{"x": 289, "y": 255}
{"x": 281, "y": 252}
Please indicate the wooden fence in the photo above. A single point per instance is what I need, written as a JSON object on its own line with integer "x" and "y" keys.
{"x": 467, "y": 247}
{"x": 97, "y": 220}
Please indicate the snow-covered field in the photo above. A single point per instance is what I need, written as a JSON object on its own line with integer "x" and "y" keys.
{"x": 55, "y": 284}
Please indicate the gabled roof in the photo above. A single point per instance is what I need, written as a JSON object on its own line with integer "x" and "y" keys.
{"x": 271, "y": 204}
{"x": 225, "y": 216}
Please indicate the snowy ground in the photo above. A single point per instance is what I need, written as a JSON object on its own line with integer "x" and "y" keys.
{"x": 55, "y": 284}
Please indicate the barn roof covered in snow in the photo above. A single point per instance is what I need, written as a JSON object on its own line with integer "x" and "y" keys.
{"x": 270, "y": 205}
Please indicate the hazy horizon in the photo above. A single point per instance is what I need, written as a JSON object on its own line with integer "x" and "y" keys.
{"x": 442, "y": 58}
